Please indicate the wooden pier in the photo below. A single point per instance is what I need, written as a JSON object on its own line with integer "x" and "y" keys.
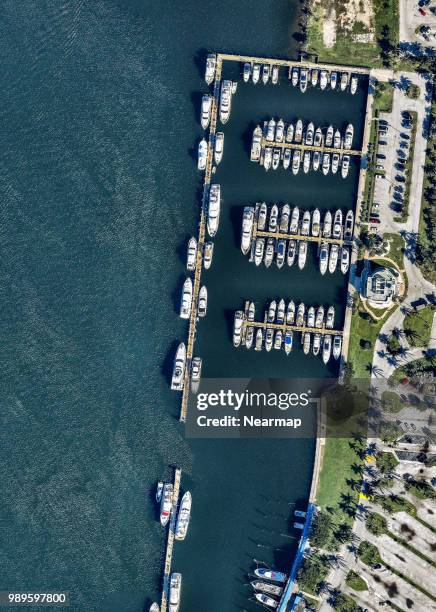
{"x": 292, "y": 63}
{"x": 304, "y": 147}
{"x": 170, "y": 541}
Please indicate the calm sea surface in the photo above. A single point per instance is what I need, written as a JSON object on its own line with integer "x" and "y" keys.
{"x": 99, "y": 106}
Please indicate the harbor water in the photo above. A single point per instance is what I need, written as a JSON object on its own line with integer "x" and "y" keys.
{"x": 99, "y": 194}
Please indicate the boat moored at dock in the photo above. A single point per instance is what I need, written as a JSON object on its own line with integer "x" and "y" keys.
{"x": 183, "y": 516}
{"x": 178, "y": 376}
{"x": 210, "y": 68}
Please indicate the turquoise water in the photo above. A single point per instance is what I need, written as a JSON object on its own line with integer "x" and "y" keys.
{"x": 99, "y": 192}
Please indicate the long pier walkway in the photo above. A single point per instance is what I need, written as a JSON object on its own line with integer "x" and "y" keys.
{"x": 305, "y": 147}
{"x": 201, "y": 240}
{"x": 170, "y": 541}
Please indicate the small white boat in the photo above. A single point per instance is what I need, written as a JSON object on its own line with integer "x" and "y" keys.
{"x": 237, "y": 327}
{"x": 281, "y": 312}
{"x": 316, "y": 344}
{"x": 337, "y": 224}
{"x": 306, "y": 162}
{"x": 213, "y": 211}
{"x": 159, "y": 489}
{"x": 316, "y": 218}
{"x": 271, "y": 130}
{"x": 259, "y": 340}
{"x": 280, "y": 130}
{"x": 323, "y": 258}
{"x": 166, "y": 503}
{"x": 289, "y": 133}
{"x": 273, "y": 218}
{"x": 333, "y": 79}
{"x": 210, "y": 68}
{"x": 207, "y": 255}
{"x": 186, "y": 301}
{"x": 337, "y": 345}
{"x": 256, "y": 74}
{"x": 195, "y": 374}
{"x": 335, "y": 163}
{"x": 300, "y": 315}
{"x": 295, "y": 74}
{"x": 219, "y": 147}
{"x": 267, "y": 158}
{"x": 287, "y": 158}
{"x": 269, "y": 339}
{"x": 353, "y": 85}
{"x": 305, "y": 226}
{"x": 275, "y": 75}
{"x": 296, "y": 160}
{"x": 330, "y": 320}
{"x": 310, "y": 132}
{"x": 316, "y": 160}
{"x": 306, "y": 343}
{"x": 225, "y": 101}
{"x": 337, "y": 140}
{"x": 247, "y": 228}
{"x": 191, "y": 258}
{"x": 175, "y": 592}
{"x": 303, "y": 80}
{"x": 276, "y": 158}
{"x": 326, "y": 348}
{"x": 256, "y": 144}
{"x": 206, "y": 110}
{"x": 281, "y": 252}
{"x": 266, "y": 70}
{"x": 272, "y": 312}
{"x": 247, "y": 72}
{"x": 314, "y": 77}
{"x": 317, "y": 141}
{"x": 333, "y": 259}
{"x": 344, "y": 81}
{"x": 284, "y": 219}
{"x": 292, "y": 250}
{"x": 326, "y": 163}
{"x": 349, "y": 223}
{"x": 327, "y": 225}
{"x": 311, "y": 317}
{"x": 345, "y": 166}
{"x": 183, "y": 516}
{"x": 278, "y": 339}
{"x": 298, "y": 136}
{"x": 261, "y": 218}
{"x": 288, "y": 341}
{"x": 202, "y": 154}
{"x": 202, "y": 301}
{"x": 345, "y": 260}
{"x": 323, "y": 79}
{"x": 302, "y": 254}
{"x": 269, "y": 252}
{"x": 269, "y": 602}
{"x": 348, "y": 139}
{"x": 329, "y": 136}
{"x": 319, "y": 320}
{"x": 295, "y": 218}
{"x": 249, "y": 337}
{"x": 290, "y": 313}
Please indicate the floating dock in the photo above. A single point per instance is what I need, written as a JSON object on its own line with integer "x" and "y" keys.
{"x": 170, "y": 541}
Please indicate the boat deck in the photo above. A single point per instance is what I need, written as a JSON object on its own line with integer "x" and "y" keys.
{"x": 170, "y": 541}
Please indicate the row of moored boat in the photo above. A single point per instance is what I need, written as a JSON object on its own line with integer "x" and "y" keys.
{"x": 291, "y": 317}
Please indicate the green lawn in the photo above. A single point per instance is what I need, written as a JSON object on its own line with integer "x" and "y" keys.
{"x": 334, "y": 494}
{"x": 417, "y": 326}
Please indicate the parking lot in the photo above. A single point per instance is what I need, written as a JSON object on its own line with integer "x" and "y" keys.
{"x": 418, "y": 24}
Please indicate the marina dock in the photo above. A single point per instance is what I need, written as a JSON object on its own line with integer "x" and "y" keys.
{"x": 170, "y": 541}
